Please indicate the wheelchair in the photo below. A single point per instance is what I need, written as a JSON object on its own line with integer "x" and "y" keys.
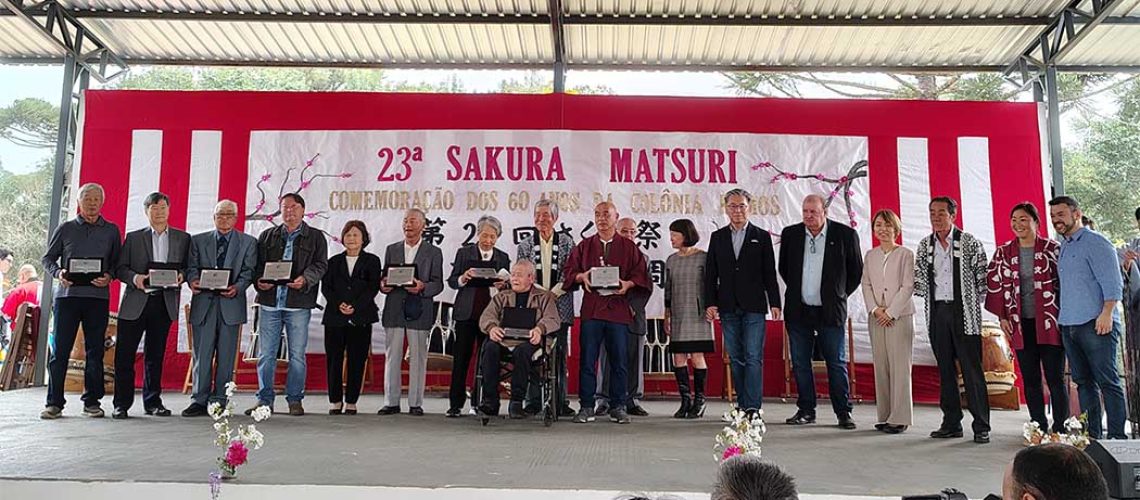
{"x": 549, "y": 359}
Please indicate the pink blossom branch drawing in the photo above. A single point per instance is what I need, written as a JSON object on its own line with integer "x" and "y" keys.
{"x": 306, "y": 177}
{"x": 842, "y": 184}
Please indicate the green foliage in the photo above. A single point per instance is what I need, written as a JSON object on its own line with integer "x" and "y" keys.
{"x": 29, "y": 122}
{"x": 534, "y": 82}
{"x": 24, "y": 213}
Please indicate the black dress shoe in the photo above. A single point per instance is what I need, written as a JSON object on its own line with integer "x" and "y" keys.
{"x": 846, "y": 422}
{"x": 158, "y": 411}
{"x": 566, "y": 411}
{"x": 350, "y": 411}
{"x": 119, "y": 414}
{"x": 636, "y": 410}
{"x": 515, "y": 411}
{"x": 946, "y": 433}
{"x": 894, "y": 429}
{"x": 389, "y": 410}
{"x": 982, "y": 437}
{"x": 487, "y": 410}
{"x": 453, "y": 413}
{"x": 800, "y": 418}
{"x": 416, "y": 411}
{"x": 195, "y": 410}
{"x": 881, "y": 426}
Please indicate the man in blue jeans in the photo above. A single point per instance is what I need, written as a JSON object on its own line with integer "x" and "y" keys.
{"x": 821, "y": 265}
{"x": 1091, "y": 286}
{"x": 289, "y": 305}
{"x": 740, "y": 289}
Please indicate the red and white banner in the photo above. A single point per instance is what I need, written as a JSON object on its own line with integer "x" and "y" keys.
{"x": 372, "y": 156}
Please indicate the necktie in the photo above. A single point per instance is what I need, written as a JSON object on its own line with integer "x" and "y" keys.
{"x": 606, "y": 251}
{"x": 222, "y": 246}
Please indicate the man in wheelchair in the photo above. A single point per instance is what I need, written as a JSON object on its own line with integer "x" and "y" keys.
{"x": 517, "y": 322}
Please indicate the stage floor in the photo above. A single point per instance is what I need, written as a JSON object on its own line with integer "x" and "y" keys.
{"x": 654, "y": 454}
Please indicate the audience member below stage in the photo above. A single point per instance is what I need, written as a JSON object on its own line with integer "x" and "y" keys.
{"x": 1052, "y": 472}
{"x": 746, "y": 477}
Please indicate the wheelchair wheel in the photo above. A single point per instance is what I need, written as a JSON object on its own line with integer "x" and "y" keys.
{"x": 484, "y": 419}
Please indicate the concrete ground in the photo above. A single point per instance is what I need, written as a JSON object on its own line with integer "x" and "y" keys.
{"x": 654, "y": 454}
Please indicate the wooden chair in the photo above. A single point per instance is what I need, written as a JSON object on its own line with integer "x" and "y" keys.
{"x": 16, "y": 372}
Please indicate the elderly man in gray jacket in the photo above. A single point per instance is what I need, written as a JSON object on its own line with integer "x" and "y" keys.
{"x": 217, "y": 315}
{"x": 408, "y": 313}
{"x": 288, "y": 306}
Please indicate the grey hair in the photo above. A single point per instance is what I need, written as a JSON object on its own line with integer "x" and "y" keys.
{"x": 738, "y": 192}
{"x": 91, "y": 186}
{"x": 489, "y": 220}
{"x": 154, "y": 198}
{"x": 548, "y": 203}
{"x": 745, "y": 477}
{"x": 814, "y": 196}
{"x": 224, "y": 204}
{"x": 423, "y": 216}
{"x": 526, "y": 264}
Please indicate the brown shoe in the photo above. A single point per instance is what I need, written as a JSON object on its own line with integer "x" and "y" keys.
{"x": 295, "y": 409}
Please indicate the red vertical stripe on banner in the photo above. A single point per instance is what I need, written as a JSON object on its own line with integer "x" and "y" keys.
{"x": 944, "y": 181}
{"x": 107, "y": 161}
{"x": 175, "y": 178}
{"x": 883, "y": 173}
{"x": 1015, "y": 177}
{"x": 235, "y": 170}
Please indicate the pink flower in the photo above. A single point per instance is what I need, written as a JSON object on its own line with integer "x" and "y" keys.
{"x": 311, "y": 215}
{"x": 269, "y": 218}
{"x": 761, "y": 165}
{"x": 834, "y": 193}
{"x": 854, "y": 223}
{"x": 819, "y": 177}
{"x": 346, "y": 175}
{"x": 843, "y": 179}
{"x": 304, "y": 184}
{"x": 308, "y": 163}
{"x": 260, "y": 204}
{"x": 851, "y": 193}
{"x": 732, "y": 451}
{"x": 792, "y": 176}
{"x": 265, "y": 177}
{"x": 237, "y": 454}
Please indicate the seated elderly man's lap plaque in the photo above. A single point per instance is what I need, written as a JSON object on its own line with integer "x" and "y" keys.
{"x": 277, "y": 273}
{"x": 82, "y": 271}
{"x": 401, "y": 276}
{"x": 214, "y": 280}
{"x": 605, "y": 278}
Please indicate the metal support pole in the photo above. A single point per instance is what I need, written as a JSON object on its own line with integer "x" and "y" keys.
{"x": 75, "y": 79}
{"x": 559, "y": 77}
{"x": 1053, "y": 118}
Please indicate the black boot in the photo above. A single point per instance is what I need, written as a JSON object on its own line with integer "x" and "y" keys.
{"x": 682, "y": 375}
{"x": 700, "y": 375}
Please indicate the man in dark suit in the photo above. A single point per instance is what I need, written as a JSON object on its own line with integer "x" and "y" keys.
{"x": 216, "y": 316}
{"x": 408, "y": 313}
{"x": 146, "y": 308}
{"x": 821, "y": 264}
{"x": 740, "y": 289}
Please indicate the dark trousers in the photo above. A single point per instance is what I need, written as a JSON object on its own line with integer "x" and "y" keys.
{"x": 1032, "y": 358}
{"x": 468, "y": 338}
{"x": 561, "y": 369}
{"x": 615, "y": 337}
{"x": 355, "y": 340}
{"x": 633, "y": 351}
{"x": 802, "y": 337}
{"x": 69, "y": 313}
{"x": 155, "y": 323}
{"x": 490, "y": 357}
{"x": 950, "y": 343}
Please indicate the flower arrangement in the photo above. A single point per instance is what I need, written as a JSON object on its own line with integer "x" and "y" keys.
{"x": 742, "y": 436}
{"x": 234, "y": 443}
{"x": 1075, "y": 435}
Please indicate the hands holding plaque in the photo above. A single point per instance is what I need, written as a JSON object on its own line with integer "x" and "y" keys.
{"x": 277, "y": 273}
{"x": 401, "y": 276}
{"x": 85, "y": 272}
{"x": 162, "y": 275}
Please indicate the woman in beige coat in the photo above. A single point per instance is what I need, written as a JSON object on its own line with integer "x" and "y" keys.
{"x": 888, "y": 284}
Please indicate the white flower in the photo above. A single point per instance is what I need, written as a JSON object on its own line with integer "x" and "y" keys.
{"x": 215, "y": 410}
{"x": 261, "y": 413}
{"x": 231, "y": 387}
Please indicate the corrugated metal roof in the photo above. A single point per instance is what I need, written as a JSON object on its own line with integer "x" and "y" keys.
{"x": 710, "y": 34}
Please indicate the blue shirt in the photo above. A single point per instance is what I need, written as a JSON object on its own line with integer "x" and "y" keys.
{"x": 283, "y": 290}
{"x": 1089, "y": 275}
{"x": 738, "y": 238}
{"x": 812, "y": 276}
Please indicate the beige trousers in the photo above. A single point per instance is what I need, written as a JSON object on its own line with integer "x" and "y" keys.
{"x": 891, "y": 350}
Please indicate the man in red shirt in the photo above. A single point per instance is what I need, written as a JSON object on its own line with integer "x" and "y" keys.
{"x": 27, "y": 290}
{"x": 605, "y": 314}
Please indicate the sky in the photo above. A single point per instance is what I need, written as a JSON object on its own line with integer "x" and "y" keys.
{"x": 17, "y": 82}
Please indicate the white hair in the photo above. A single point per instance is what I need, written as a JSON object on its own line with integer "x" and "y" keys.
{"x": 91, "y": 186}
{"x": 489, "y": 220}
{"x": 423, "y": 216}
{"x": 526, "y": 264}
{"x": 225, "y": 204}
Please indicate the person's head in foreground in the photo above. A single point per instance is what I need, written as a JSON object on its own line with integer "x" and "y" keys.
{"x": 1053, "y": 471}
{"x": 746, "y": 477}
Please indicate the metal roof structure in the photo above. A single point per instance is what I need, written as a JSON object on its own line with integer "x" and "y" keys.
{"x": 775, "y": 35}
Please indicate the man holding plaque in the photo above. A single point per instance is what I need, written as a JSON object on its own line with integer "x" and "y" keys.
{"x": 221, "y": 268}
{"x": 151, "y": 266}
{"x": 414, "y": 275}
{"x": 638, "y": 299}
{"x": 607, "y": 268}
{"x": 80, "y": 255}
{"x": 291, "y": 260}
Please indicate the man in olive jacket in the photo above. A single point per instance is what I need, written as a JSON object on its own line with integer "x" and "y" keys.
{"x": 288, "y": 306}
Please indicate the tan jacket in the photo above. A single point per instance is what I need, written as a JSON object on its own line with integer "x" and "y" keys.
{"x": 544, "y": 301}
{"x": 889, "y": 286}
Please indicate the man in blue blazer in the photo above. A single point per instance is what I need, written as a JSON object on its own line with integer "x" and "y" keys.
{"x": 216, "y": 316}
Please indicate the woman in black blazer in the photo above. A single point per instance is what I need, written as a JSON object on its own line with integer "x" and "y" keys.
{"x": 350, "y": 286}
{"x": 473, "y": 296}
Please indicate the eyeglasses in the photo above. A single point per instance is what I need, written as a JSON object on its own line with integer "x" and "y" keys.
{"x": 225, "y": 215}
{"x": 811, "y": 242}
{"x": 737, "y": 206}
